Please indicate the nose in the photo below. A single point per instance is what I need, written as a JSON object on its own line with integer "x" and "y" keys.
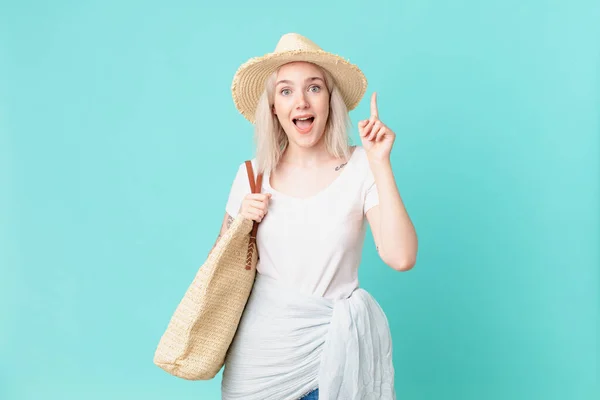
{"x": 301, "y": 102}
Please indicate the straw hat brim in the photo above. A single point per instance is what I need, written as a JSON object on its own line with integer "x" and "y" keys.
{"x": 249, "y": 80}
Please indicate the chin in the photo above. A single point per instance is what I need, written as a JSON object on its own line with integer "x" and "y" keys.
{"x": 308, "y": 140}
{"x": 315, "y": 133}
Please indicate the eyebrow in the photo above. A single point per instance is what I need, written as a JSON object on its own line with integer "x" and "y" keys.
{"x": 311, "y": 79}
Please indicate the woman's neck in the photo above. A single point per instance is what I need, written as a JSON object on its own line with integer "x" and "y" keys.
{"x": 306, "y": 157}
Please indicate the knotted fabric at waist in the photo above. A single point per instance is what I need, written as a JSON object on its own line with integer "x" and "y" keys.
{"x": 289, "y": 343}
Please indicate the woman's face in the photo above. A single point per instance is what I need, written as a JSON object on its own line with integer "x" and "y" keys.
{"x": 301, "y": 102}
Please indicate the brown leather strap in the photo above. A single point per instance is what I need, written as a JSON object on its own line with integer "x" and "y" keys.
{"x": 255, "y": 187}
{"x": 250, "y": 172}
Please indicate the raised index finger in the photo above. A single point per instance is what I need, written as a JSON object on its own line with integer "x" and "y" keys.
{"x": 374, "y": 111}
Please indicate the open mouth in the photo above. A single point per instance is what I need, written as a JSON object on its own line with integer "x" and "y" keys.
{"x": 303, "y": 124}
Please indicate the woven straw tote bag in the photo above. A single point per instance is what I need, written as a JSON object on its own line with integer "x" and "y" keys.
{"x": 204, "y": 323}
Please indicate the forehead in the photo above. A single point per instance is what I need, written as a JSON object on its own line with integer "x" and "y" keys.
{"x": 298, "y": 71}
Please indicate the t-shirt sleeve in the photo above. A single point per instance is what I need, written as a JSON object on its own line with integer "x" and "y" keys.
{"x": 239, "y": 189}
{"x": 371, "y": 194}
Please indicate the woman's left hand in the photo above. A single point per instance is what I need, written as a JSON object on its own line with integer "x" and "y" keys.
{"x": 377, "y": 139}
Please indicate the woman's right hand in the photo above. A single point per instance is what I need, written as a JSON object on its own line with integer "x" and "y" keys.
{"x": 255, "y": 206}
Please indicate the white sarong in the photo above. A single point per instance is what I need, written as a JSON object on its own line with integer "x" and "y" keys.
{"x": 288, "y": 344}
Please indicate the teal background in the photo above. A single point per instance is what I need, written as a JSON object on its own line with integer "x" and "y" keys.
{"x": 119, "y": 141}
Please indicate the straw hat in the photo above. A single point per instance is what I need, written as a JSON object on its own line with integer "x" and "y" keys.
{"x": 249, "y": 80}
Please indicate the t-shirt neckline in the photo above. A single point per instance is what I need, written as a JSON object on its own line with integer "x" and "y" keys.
{"x": 267, "y": 183}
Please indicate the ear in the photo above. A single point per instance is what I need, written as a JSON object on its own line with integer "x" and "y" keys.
{"x": 273, "y": 109}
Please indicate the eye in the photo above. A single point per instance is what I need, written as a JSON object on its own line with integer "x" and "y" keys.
{"x": 285, "y": 92}
{"x": 315, "y": 88}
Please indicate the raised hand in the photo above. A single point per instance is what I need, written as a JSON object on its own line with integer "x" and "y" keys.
{"x": 377, "y": 139}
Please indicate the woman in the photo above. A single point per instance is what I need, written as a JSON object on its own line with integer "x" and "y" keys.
{"x": 308, "y": 330}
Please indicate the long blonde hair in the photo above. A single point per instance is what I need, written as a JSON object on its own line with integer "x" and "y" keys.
{"x": 271, "y": 140}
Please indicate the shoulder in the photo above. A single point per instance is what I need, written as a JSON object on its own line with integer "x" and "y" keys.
{"x": 241, "y": 175}
{"x": 360, "y": 160}
{"x": 361, "y": 168}
{"x": 241, "y": 167}
{"x": 240, "y": 187}
{"x": 360, "y": 153}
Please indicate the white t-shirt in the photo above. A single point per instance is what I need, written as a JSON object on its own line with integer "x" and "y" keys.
{"x": 314, "y": 245}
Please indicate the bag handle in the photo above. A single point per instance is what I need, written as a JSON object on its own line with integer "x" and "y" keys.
{"x": 255, "y": 187}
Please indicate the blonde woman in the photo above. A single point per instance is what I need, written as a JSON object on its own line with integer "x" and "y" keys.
{"x": 309, "y": 331}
